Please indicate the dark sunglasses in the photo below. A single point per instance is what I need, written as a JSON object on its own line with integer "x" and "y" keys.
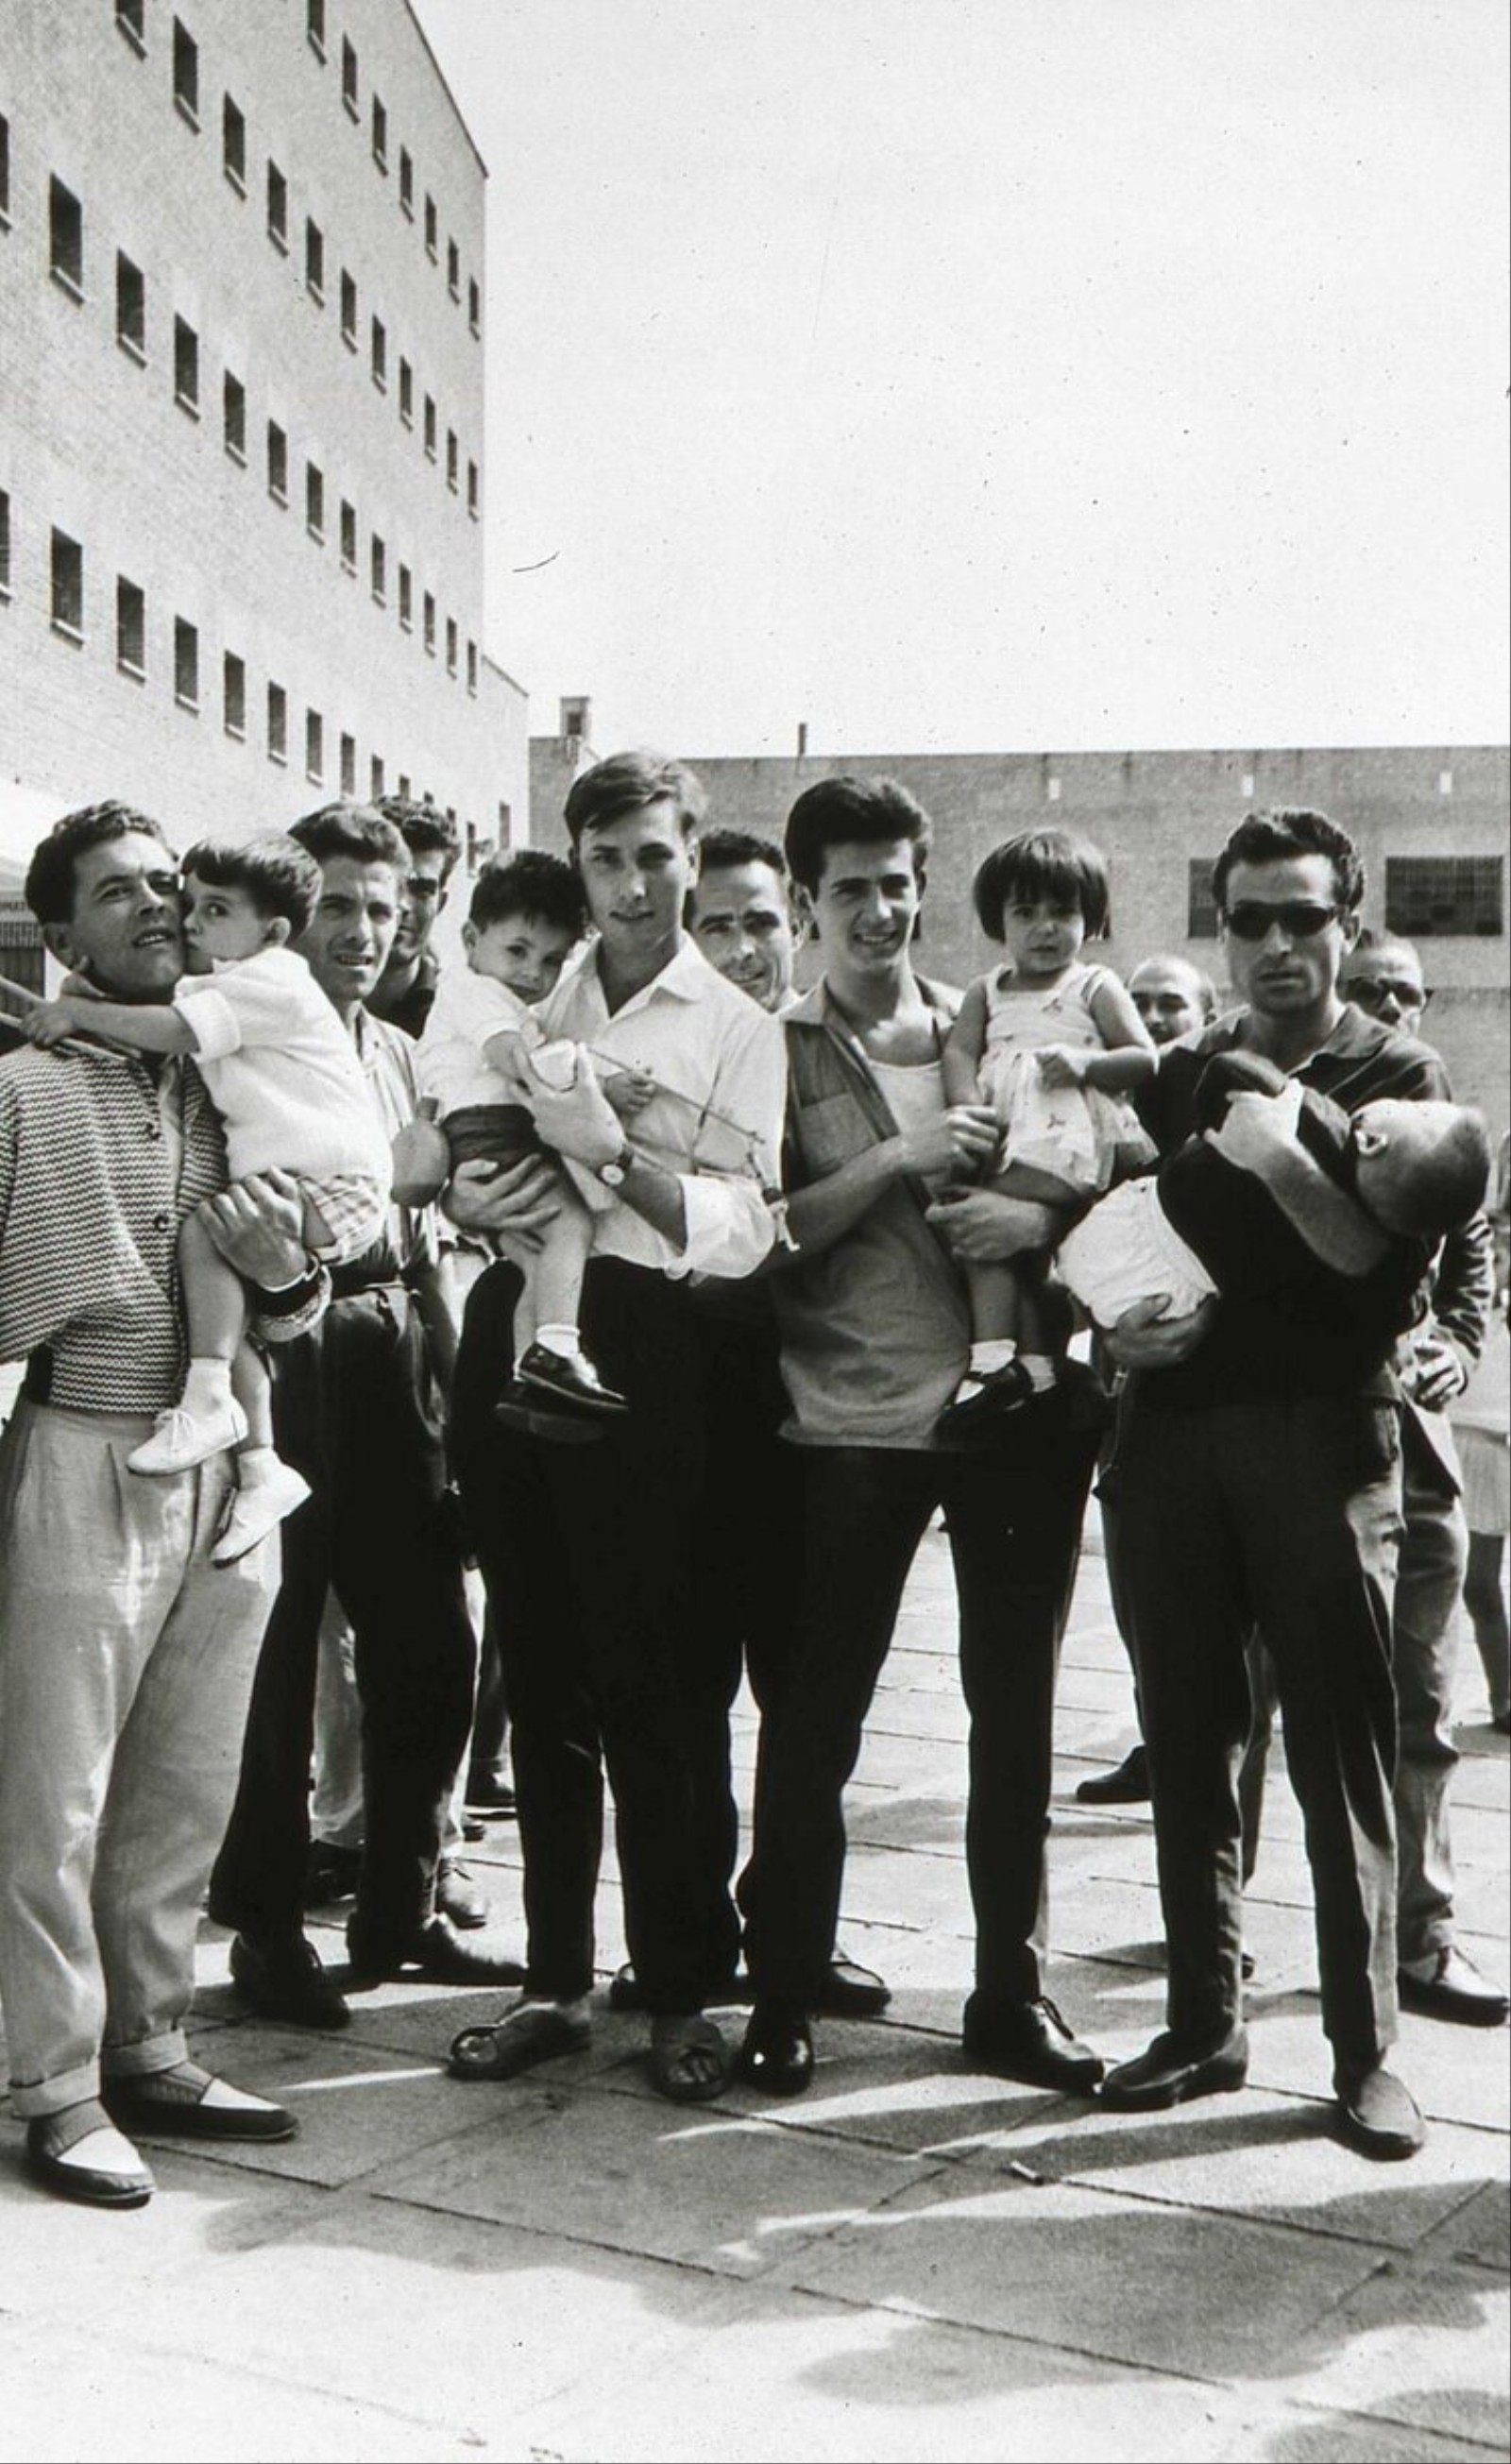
{"x": 1368, "y": 991}
{"x": 1297, "y": 918}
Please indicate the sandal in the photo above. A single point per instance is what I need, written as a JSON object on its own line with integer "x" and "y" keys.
{"x": 689, "y": 2060}
{"x": 531, "y": 2033}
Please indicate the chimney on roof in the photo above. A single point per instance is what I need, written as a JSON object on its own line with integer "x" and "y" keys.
{"x": 802, "y": 738}
{"x": 577, "y": 719}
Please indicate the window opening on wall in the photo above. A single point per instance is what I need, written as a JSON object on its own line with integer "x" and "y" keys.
{"x": 131, "y": 628}
{"x": 233, "y": 695}
{"x": 233, "y": 145}
{"x": 1429, "y": 897}
{"x": 314, "y": 262}
{"x": 277, "y": 723}
{"x": 131, "y": 308}
{"x": 277, "y": 207}
{"x": 65, "y": 235}
{"x": 349, "y": 76}
{"x": 314, "y": 500}
{"x": 234, "y": 416}
{"x": 186, "y": 366}
{"x": 67, "y": 585}
{"x": 348, "y": 536}
{"x": 186, "y": 72}
{"x": 277, "y": 464}
{"x": 314, "y": 745}
{"x": 185, "y": 663}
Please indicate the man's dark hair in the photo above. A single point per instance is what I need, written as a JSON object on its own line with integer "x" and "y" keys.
{"x": 1282, "y": 831}
{"x": 50, "y": 875}
{"x": 721, "y": 850}
{"x": 355, "y": 830}
{"x": 626, "y": 783}
{"x": 1043, "y": 864}
{"x": 864, "y": 812}
{"x": 424, "y": 828}
{"x": 279, "y": 876}
{"x": 539, "y": 887}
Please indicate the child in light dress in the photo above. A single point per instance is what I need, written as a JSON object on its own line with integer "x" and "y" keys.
{"x": 1054, "y": 1046}
{"x": 283, "y": 1074}
{"x": 481, "y": 1049}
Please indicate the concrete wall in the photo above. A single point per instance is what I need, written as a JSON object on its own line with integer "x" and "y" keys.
{"x": 1152, "y": 812}
{"x": 94, "y": 443}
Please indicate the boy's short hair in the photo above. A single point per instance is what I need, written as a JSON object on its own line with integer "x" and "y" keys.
{"x": 1443, "y": 1186}
{"x": 627, "y": 783}
{"x": 355, "y": 830}
{"x": 425, "y": 830}
{"x": 51, "y": 881}
{"x": 541, "y": 887}
{"x": 1277, "y": 831}
{"x": 278, "y": 875}
{"x": 848, "y": 812}
{"x": 1043, "y": 864}
{"x": 721, "y": 850}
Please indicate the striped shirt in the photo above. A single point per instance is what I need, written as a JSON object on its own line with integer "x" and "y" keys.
{"x": 100, "y": 1160}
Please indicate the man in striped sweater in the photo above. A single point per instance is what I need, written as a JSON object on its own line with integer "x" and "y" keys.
{"x": 126, "y": 1656}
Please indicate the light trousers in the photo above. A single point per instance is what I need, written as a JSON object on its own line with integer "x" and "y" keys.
{"x": 125, "y": 1665}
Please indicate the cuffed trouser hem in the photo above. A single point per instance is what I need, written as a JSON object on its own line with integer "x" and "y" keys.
{"x": 55, "y": 2095}
{"x": 149, "y": 2055}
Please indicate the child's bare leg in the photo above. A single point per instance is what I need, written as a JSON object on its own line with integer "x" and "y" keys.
{"x": 207, "y": 1419}
{"x": 994, "y": 1299}
{"x": 252, "y": 1389}
{"x": 267, "y": 1487}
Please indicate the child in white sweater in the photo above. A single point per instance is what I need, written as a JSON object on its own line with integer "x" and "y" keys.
{"x": 284, "y": 1076}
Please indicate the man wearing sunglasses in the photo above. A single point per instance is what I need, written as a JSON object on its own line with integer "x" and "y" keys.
{"x": 1260, "y": 1482}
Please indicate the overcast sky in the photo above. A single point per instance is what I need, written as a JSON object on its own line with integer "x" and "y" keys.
{"x": 996, "y": 374}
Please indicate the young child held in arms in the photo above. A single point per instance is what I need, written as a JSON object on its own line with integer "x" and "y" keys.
{"x": 1054, "y": 1046}
{"x": 283, "y": 1074}
{"x": 481, "y": 1045}
{"x": 1398, "y": 1176}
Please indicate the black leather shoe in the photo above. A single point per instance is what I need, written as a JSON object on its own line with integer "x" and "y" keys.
{"x": 180, "y": 2104}
{"x": 850, "y": 1992}
{"x": 1127, "y": 1785}
{"x": 284, "y": 1980}
{"x": 1455, "y": 1990}
{"x": 1169, "y": 2073}
{"x": 1028, "y": 2041}
{"x": 570, "y": 1380}
{"x": 489, "y": 1794}
{"x": 533, "y": 1415}
{"x": 457, "y": 1896}
{"x": 436, "y": 1955}
{"x": 987, "y": 1398}
{"x": 777, "y": 2056}
{"x": 1376, "y": 2113}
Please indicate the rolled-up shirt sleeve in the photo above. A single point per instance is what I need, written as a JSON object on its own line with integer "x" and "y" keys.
{"x": 727, "y": 1196}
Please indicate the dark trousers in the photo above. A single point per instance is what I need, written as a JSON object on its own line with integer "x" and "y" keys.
{"x": 354, "y": 1410}
{"x": 1013, "y": 1514}
{"x": 1288, "y": 1515}
{"x": 585, "y": 1550}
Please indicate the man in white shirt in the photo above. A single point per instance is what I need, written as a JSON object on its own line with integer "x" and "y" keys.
{"x": 586, "y": 1549}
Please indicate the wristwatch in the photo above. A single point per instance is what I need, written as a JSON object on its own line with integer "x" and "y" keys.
{"x": 612, "y": 1173}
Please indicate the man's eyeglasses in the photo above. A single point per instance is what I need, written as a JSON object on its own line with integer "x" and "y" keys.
{"x": 1298, "y": 919}
{"x": 1372, "y": 992}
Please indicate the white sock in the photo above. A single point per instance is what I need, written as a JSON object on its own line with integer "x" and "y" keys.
{"x": 563, "y": 1339}
{"x": 987, "y": 1357}
{"x": 1041, "y": 1370}
{"x": 207, "y": 1387}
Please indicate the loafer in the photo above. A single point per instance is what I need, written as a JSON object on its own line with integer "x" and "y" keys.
{"x": 1127, "y": 1785}
{"x": 187, "y": 2103}
{"x": 850, "y": 1992}
{"x": 1455, "y": 1990}
{"x": 122, "y": 2182}
{"x": 436, "y": 1955}
{"x": 776, "y": 2054}
{"x": 570, "y": 1380}
{"x": 486, "y": 1793}
{"x": 1028, "y": 2041}
{"x": 1377, "y": 2114}
{"x": 457, "y": 1896}
{"x": 987, "y": 1398}
{"x": 1169, "y": 2073}
{"x": 284, "y": 1980}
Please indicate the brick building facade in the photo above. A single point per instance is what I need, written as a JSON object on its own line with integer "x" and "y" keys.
{"x": 242, "y": 430}
{"x": 1432, "y": 824}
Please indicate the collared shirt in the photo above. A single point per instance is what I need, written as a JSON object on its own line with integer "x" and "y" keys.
{"x": 410, "y": 1009}
{"x": 715, "y": 1120}
{"x": 876, "y": 1331}
{"x": 388, "y": 1056}
{"x": 100, "y": 1160}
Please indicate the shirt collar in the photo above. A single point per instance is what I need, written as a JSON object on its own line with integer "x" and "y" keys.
{"x": 818, "y": 1007}
{"x": 685, "y": 976}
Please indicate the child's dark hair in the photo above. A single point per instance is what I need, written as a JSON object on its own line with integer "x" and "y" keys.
{"x": 1043, "y": 864}
{"x": 544, "y": 889}
{"x": 279, "y": 876}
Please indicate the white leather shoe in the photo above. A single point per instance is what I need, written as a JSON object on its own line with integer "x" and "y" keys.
{"x": 179, "y": 1440}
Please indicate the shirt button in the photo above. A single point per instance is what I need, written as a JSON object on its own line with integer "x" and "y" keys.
{"x": 160, "y": 1223}
{"x": 154, "y": 1128}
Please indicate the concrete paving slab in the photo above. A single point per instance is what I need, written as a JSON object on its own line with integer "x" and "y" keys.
{"x": 1188, "y": 2295}
{"x": 716, "y": 2189}
{"x": 1424, "y": 2346}
{"x": 1456, "y": 2074}
{"x": 1479, "y": 2233}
